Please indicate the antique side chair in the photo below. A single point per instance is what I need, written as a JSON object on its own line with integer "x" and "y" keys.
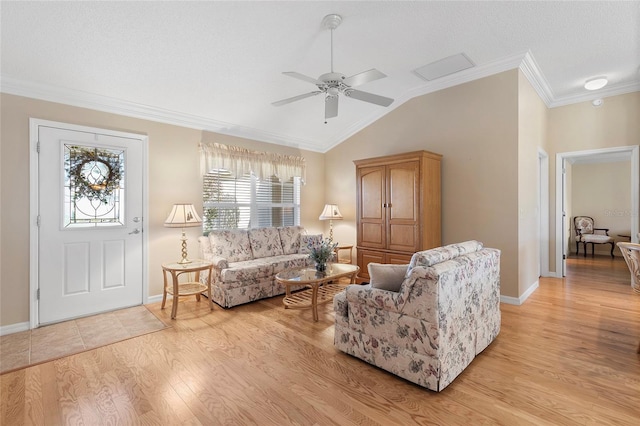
{"x": 587, "y": 233}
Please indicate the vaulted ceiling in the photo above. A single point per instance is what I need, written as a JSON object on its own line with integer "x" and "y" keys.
{"x": 218, "y": 65}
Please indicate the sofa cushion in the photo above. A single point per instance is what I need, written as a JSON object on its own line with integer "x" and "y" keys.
{"x": 265, "y": 242}
{"x": 386, "y": 276}
{"x": 287, "y": 261}
{"x": 308, "y": 241}
{"x": 232, "y": 244}
{"x": 247, "y": 271}
{"x": 290, "y": 238}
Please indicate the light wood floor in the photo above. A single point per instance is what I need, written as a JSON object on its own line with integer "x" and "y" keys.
{"x": 566, "y": 356}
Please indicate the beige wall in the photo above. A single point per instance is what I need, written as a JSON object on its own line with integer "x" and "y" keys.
{"x": 602, "y": 191}
{"x": 487, "y": 131}
{"x": 580, "y": 127}
{"x": 532, "y": 123}
{"x": 474, "y": 127}
{"x": 173, "y": 177}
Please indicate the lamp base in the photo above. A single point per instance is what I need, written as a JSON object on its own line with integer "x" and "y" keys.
{"x": 184, "y": 259}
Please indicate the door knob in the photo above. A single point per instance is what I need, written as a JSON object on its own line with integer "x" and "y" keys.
{"x": 135, "y": 231}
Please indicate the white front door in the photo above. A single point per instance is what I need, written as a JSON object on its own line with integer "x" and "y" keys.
{"x": 90, "y": 204}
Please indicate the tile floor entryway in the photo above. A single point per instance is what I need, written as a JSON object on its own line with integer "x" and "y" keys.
{"x": 46, "y": 343}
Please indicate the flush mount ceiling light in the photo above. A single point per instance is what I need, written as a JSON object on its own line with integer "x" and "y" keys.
{"x": 596, "y": 83}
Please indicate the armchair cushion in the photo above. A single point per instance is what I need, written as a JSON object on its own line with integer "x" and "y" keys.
{"x": 387, "y": 277}
{"x": 596, "y": 238}
{"x": 584, "y": 225}
{"x": 437, "y": 255}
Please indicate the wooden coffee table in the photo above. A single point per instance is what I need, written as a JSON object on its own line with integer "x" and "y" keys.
{"x": 320, "y": 286}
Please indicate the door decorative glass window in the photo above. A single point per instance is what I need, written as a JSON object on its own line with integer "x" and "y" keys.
{"x": 93, "y": 186}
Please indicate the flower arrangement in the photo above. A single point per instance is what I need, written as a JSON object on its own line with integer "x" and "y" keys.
{"x": 322, "y": 253}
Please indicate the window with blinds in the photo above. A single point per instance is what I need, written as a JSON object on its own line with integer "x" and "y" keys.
{"x": 248, "y": 202}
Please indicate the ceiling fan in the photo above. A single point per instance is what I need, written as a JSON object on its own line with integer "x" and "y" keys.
{"x": 334, "y": 83}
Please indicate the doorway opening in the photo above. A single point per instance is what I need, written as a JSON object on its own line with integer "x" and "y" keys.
{"x": 562, "y": 219}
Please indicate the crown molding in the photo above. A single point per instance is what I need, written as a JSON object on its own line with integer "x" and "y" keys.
{"x": 529, "y": 67}
{"x": 111, "y": 105}
{"x": 613, "y": 90}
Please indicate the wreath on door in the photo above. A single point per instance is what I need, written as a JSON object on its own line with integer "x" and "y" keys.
{"x": 94, "y": 173}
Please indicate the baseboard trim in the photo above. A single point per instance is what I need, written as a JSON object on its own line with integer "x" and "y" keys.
{"x": 14, "y": 328}
{"x": 154, "y": 299}
{"x": 524, "y": 296}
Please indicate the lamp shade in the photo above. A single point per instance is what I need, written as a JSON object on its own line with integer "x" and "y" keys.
{"x": 182, "y": 216}
{"x": 330, "y": 212}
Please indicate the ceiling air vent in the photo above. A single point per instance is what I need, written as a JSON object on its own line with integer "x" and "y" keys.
{"x": 444, "y": 67}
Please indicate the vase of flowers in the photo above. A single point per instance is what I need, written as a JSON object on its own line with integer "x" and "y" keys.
{"x": 321, "y": 253}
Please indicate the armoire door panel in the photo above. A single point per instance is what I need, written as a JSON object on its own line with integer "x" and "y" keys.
{"x": 403, "y": 237}
{"x": 372, "y": 235}
{"x": 398, "y": 259}
{"x": 372, "y": 193}
{"x": 403, "y": 196}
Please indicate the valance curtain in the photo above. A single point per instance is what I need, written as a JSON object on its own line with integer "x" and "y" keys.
{"x": 241, "y": 161}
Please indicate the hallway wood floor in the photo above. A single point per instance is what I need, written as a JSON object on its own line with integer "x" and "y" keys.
{"x": 567, "y": 356}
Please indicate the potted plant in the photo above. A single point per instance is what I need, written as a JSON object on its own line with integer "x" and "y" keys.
{"x": 322, "y": 253}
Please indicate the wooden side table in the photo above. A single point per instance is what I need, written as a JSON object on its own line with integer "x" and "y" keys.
{"x": 337, "y": 251}
{"x": 191, "y": 288}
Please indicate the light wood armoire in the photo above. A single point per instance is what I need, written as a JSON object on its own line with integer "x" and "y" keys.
{"x": 398, "y": 210}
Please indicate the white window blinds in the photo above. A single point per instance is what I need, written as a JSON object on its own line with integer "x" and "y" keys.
{"x": 247, "y": 200}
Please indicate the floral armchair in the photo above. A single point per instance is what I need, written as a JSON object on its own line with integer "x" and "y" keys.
{"x": 445, "y": 311}
{"x": 587, "y": 233}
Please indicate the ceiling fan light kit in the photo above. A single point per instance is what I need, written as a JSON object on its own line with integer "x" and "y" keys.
{"x": 332, "y": 84}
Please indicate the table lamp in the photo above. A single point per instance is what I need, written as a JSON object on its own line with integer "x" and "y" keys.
{"x": 330, "y": 213}
{"x": 183, "y": 216}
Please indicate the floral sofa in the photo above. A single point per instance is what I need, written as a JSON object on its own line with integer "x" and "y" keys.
{"x": 246, "y": 261}
{"x": 446, "y": 311}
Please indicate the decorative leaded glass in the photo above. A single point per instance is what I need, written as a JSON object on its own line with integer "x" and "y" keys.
{"x": 93, "y": 187}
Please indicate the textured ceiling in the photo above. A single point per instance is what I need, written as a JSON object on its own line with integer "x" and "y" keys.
{"x": 218, "y": 65}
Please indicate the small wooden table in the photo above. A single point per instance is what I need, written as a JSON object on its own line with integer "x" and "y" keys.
{"x": 321, "y": 286}
{"x": 177, "y": 289}
{"x": 337, "y": 251}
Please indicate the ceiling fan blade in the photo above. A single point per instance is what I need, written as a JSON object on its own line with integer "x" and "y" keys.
{"x": 330, "y": 106}
{"x": 363, "y": 77}
{"x": 368, "y": 97}
{"x": 295, "y": 98}
{"x": 302, "y": 77}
